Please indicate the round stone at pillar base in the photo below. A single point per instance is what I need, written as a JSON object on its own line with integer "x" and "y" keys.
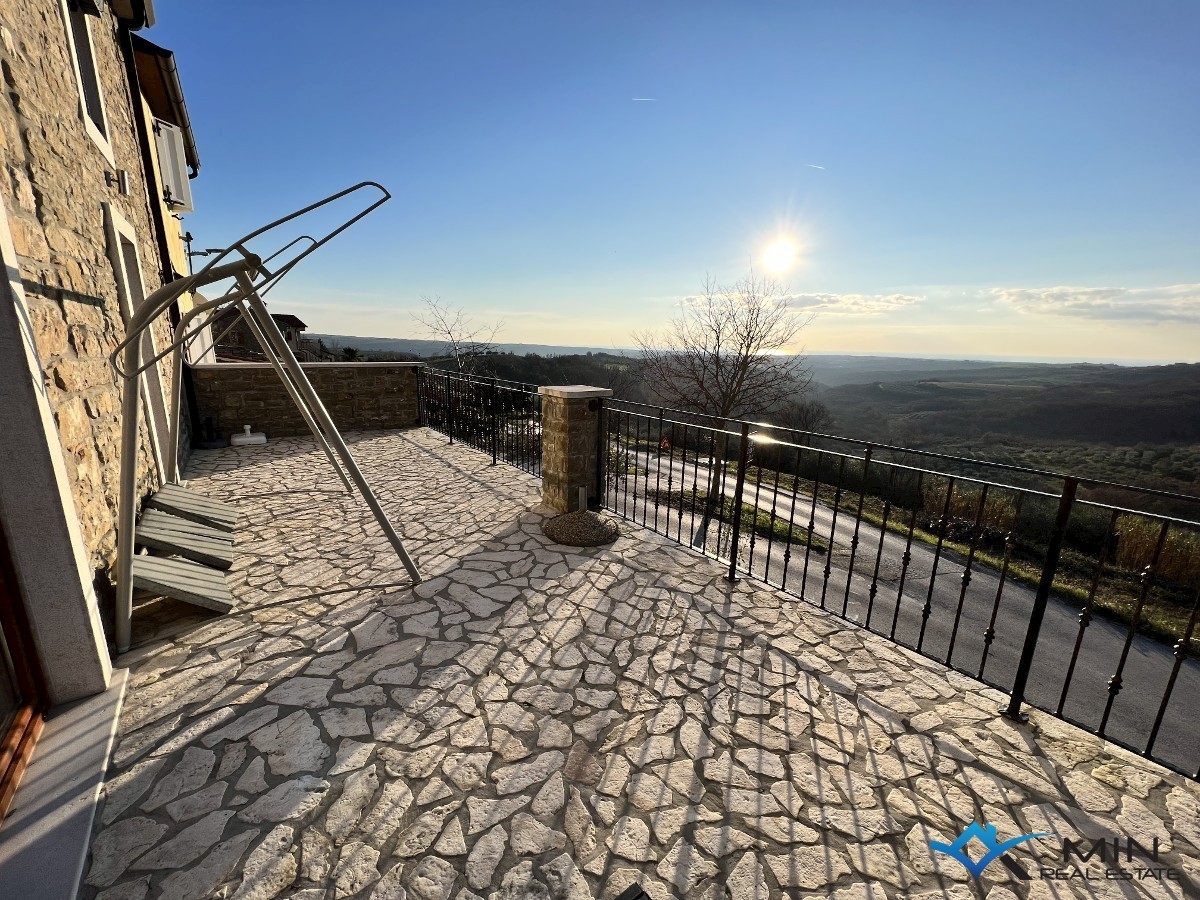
{"x": 582, "y": 528}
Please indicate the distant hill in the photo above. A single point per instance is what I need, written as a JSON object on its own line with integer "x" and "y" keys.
{"x": 838, "y": 369}
{"x": 1132, "y": 424}
{"x": 432, "y": 348}
{"x": 1098, "y": 404}
{"x": 829, "y": 369}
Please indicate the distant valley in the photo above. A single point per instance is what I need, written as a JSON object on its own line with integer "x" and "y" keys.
{"x": 1134, "y": 424}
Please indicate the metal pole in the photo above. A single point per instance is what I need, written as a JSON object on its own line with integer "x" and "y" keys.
{"x": 258, "y": 310}
{"x": 127, "y": 503}
{"x": 290, "y": 387}
{"x": 495, "y": 419}
{"x": 421, "y": 418}
{"x": 1053, "y": 551}
{"x": 738, "y": 490}
{"x": 176, "y": 412}
{"x": 182, "y": 339}
{"x": 601, "y": 444}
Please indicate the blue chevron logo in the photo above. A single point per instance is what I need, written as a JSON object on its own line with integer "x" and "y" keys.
{"x": 986, "y": 835}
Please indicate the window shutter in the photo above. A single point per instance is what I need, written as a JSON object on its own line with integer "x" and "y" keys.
{"x": 172, "y": 166}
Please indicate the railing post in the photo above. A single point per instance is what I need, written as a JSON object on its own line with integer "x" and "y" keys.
{"x": 601, "y": 444}
{"x": 495, "y": 419}
{"x": 422, "y": 418}
{"x": 738, "y": 492}
{"x": 1040, "y": 600}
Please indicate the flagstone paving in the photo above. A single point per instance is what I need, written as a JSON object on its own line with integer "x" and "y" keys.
{"x": 536, "y": 721}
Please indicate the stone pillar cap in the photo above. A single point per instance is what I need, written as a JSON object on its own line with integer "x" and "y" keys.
{"x": 574, "y": 391}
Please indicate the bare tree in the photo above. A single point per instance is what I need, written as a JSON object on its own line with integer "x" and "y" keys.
{"x": 806, "y": 413}
{"x": 465, "y": 340}
{"x": 721, "y": 354}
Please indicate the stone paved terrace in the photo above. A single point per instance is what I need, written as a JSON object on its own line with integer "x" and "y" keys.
{"x": 541, "y": 722}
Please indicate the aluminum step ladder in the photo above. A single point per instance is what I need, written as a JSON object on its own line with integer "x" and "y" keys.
{"x": 182, "y": 530}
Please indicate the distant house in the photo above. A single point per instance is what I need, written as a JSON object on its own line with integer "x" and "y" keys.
{"x": 240, "y": 344}
{"x": 291, "y": 327}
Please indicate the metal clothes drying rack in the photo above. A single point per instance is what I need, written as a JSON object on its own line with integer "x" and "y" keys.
{"x": 252, "y": 279}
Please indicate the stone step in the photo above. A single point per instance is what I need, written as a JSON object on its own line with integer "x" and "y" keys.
{"x": 181, "y": 537}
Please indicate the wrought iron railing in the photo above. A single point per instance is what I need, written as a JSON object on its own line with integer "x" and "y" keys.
{"x": 1079, "y": 597}
{"x": 501, "y": 418}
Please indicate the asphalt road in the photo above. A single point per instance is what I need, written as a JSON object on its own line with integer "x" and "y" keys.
{"x": 1147, "y": 667}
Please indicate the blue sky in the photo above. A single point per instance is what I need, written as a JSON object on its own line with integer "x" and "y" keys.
{"x": 1009, "y": 179}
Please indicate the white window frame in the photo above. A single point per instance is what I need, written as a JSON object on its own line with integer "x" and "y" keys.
{"x": 126, "y": 261}
{"x": 99, "y": 136}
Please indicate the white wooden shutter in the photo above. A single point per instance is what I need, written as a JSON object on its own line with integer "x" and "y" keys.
{"x": 172, "y": 166}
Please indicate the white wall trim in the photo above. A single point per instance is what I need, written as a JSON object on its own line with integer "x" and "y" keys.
{"x": 38, "y": 509}
{"x": 99, "y": 138}
{"x": 155, "y": 399}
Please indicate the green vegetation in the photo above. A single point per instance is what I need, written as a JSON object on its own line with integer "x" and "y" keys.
{"x": 1136, "y": 426}
{"x": 1168, "y": 606}
{"x": 1167, "y": 467}
{"x": 753, "y": 519}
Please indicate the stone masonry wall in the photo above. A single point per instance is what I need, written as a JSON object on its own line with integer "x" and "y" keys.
{"x": 359, "y": 396}
{"x": 53, "y": 178}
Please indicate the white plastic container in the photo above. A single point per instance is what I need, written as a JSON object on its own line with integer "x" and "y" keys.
{"x": 247, "y": 437}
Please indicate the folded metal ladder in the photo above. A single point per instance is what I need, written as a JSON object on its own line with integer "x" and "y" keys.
{"x": 188, "y": 538}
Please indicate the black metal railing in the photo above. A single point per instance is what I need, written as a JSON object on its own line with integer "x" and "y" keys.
{"x": 501, "y": 418}
{"x": 1079, "y": 597}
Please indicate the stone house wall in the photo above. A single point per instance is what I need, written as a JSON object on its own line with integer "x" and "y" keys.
{"x": 359, "y": 396}
{"x": 56, "y": 181}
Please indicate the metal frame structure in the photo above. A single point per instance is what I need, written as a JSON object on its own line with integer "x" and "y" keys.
{"x": 252, "y": 279}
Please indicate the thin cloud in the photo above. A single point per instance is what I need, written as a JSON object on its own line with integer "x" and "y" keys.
{"x": 853, "y": 304}
{"x": 815, "y": 166}
{"x": 1170, "y": 303}
{"x": 837, "y": 304}
{"x": 644, "y": 99}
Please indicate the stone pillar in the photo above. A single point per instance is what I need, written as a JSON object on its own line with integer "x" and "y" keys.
{"x": 570, "y": 430}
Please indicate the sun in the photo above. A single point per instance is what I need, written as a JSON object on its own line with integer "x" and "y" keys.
{"x": 781, "y": 255}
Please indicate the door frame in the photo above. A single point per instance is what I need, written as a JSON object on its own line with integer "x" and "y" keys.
{"x": 126, "y": 259}
{"x": 18, "y": 740}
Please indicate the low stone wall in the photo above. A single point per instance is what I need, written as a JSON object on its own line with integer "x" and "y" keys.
{"x": 359, "y": 396}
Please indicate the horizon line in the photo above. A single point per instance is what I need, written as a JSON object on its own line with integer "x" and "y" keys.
{"x": 1132, "y": 362}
